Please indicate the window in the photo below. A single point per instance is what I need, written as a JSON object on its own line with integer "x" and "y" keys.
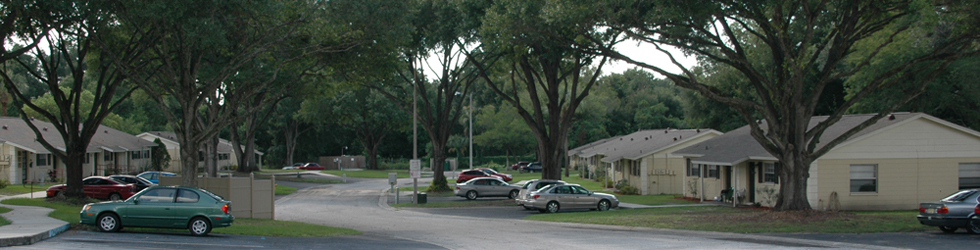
{"x": 87, "y": 156}
{"x": 159, "y": 195}
{"x": 635, "y": 168}
{"x": 769, "y": 174}
{"x": 42, "y": 160}
{"x": 864, "y": 178}
{"x": 712, "y": 171}
{"x": 969, "y": 175}
{"x": 187, "y": 196}
{"x": 107, "y": 156}
{"x": 693, "y": 169}
{"x": 222, "y": 157}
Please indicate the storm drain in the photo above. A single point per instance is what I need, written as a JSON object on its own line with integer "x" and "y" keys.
{"x": 771, "y": 242}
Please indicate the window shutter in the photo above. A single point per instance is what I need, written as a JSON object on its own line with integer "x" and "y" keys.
{"x": 776, "y": 171}
{"x": 762, "y": 172}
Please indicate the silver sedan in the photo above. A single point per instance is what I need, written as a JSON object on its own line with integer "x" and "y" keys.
{"x": 958, "y": 210}
{"x": 486, "y": 187}
{"x": 570, "y": 196}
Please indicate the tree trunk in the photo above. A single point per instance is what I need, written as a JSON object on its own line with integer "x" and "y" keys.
{"x": 793, "y": 172}
{"x": 74, "y": 173}
{"x": 189, "y": 153}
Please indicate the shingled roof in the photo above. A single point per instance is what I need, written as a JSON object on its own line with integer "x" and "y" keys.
{"x": 14, "y": 131}
{"x": 738, "y": 146}
{"x": 224, "y": 146}
{"x": 639, "y": 144}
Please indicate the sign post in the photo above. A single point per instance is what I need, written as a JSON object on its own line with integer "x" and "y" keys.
{"x": 415, "y": 170}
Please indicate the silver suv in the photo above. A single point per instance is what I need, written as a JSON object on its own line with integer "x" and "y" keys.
{"x": 531, "y": 186}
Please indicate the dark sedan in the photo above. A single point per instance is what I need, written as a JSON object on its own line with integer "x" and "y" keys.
{"x": 162, "y": 207}
{"x": 531, "y": 167}
{"x": 958, "y": 210}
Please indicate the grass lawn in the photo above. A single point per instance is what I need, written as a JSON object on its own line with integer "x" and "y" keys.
{"x": 4, "y": 221}
{"x": 16, "y": 189}
{"x": 304, "y": 180}
{"x": 726, "y": 219}
{"x": 284, "y": 190}
{"x": 652, "y": 200}
{"x": 368, "y": 173}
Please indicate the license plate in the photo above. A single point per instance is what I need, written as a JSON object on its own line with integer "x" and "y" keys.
{"x": 930, "y": 210}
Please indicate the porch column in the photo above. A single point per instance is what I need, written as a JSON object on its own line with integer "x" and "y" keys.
{"x": 12, "y": 174}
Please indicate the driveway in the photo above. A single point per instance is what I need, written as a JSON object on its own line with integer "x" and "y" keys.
{"x": 363, "y": 206}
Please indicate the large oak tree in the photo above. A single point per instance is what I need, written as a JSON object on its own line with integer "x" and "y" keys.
{"x": 787, "y": 53}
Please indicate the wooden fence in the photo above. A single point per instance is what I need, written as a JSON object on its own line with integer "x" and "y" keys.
{"x": 250, "y": 198}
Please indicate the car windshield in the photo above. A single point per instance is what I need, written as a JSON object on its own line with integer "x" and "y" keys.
{"x": 960, "y": 196}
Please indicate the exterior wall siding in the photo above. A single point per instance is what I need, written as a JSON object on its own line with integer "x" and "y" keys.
{"x": 902, "y": 183}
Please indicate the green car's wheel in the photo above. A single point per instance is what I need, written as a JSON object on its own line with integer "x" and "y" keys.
{"x": 200, "y": 226}
{"x": 109, "y": 222}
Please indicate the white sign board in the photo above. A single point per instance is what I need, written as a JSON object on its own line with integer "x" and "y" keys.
{"x": 415, "y": 168}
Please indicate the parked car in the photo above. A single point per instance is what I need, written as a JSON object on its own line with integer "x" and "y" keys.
{"x": 486, "y": 187}
{"x": 468, "y": 174}
{"x": 154, "y": 176}
{"x": 99, "y": 187}
{"x": 297, "y": 165}
{"x": 518, "y": 165}
{"x": 570, "y": 196}
{"x": 164, "y": 207}
{"x": 490, "y": 171}
{"x": 958, "y": 210}
{"x": 312, "y": 166}
{"x": 139, "y": 182}
{"x": 531, "y": 186}
{"x": 531, "y": 167}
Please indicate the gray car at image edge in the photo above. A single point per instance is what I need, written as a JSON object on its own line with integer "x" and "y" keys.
{"x": 486, "y": 187}
{"x": 570, "y": 196}
{"x": 958, "y": 210}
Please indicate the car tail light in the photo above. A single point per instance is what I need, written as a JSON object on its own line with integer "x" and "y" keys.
{"x": 922, "y": 209}
{"x": 536, "y": 196}
{"x": 226, "y": 208}
{"x": 943, "y": 210}
{"x": 457, "y": 187}
{"x": 976, "y": 209}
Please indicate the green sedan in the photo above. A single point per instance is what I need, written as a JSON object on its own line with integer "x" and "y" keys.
{"x": 162, "y": 207}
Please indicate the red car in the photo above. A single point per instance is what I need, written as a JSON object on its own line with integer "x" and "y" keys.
{"x": 502, "y": 176}
{"x": 99, "y": 187}
{"x": 312, "y": 166}
{"x": 470, "y": 174}
{"x": 518, "y": 165}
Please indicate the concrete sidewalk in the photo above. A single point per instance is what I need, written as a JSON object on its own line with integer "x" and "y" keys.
{"x": 28, "y": 224}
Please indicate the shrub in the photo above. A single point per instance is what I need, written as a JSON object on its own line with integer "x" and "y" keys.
{"x": 4, "y": 183}
{"x": 624, "y": 187}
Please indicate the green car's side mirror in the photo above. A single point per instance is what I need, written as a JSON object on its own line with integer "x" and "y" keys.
{"x": 136, "y": 201}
